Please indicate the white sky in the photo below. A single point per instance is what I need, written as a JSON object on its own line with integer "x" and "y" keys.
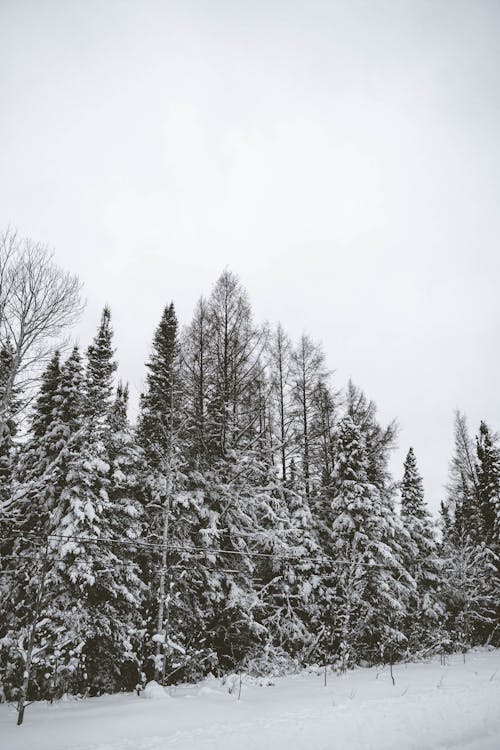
{"x": 342, "y": 157}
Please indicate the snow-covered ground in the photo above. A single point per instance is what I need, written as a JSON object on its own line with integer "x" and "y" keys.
{"x": 430, "y": 706}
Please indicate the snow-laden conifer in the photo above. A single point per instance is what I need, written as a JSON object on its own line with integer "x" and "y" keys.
{"x": 488, "y": 477}
{"x": 93, "y": 518}
{"x": 166, "y": 517}
{"x": 421, "y": 560}
{"x": 369, "y": 579}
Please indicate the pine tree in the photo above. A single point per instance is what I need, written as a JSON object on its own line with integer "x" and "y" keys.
{"x": 96, "y": 574}
{"x": 370, "y": 582}
{"x": 10, "y": 582}
{"x": 160, "y": 425}
{"x": 47, "y": 401}
{"x": 470, "y": 592}
{"x": 233, "y": 491}
{"x": 379, "y": 440}
{"x": 85, "y": 503}
{"x": 293, "y": 587}
{"x": 266, "y": 503}
{"x": 9, "y": 431}
{"x": 35, "y": 471}
{"x": 421, "y": 560}
{"x": 99, "y": 376}
{"x": 125, "y": 492}
{"x": 471, "y": 582}
{"x": 71, "y": 389}
{"x": 231, "y": 469}
{"x": 51, "y": 640}
{"x": 488, "y": 480}
{"x": 159, "y": 416}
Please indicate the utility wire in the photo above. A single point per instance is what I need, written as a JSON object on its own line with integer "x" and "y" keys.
{"x": 196, "y": 549}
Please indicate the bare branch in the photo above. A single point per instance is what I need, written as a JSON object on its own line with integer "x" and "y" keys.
{"x": 38, "y": 303}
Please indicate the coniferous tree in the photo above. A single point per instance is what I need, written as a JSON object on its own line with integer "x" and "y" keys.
{"x": 469, "y": 592}
{"x": 471, "y": 566}
{"x": 371, "y": 587}
{"x": 294, "y": 590}
{"x": 462, "y": 499}
{"x": 323, "y": 429}
{"x": 488, "y": 481}
{"x": 85, "y": 503}
{"x": 379, "y": 440}
{"x": 234, "y": 347}
{"x": 323, "y": 426}
{"x": 125, "y": 492}
{"x": 96, "y": 572}
{"x": 159, "y": 416}
{"x": 160, "y": 427}
{"x": 421, "y": 560}
{"x": 232, "y": 484}
{"x": 308, "y": 372}
{"x": 7, "y": 435}
{"x": 280, "y": 351}
{"x": 35, "y": 470}
{"x": 248, "y": 520}
{"x": 46, "y": 641}
{"x": 196, "y": 367}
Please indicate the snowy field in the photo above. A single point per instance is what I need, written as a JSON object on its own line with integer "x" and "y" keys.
{"x": 430, "y": 706}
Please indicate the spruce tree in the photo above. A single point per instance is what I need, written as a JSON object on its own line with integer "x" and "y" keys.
{"x": 471, "y": 583}
{"x": 85, "y": 502}
{"x": 421, "y": 560}
{"x": 71, "y": 387}
{"x": 293, "y": 586}
{"x": 7, "y": 435}
{"x": 379, "y": 440}
{"x": 159, "y": 414}
{"x": 54, "y": 638}
{"x": 99, "y": 374}
{"x": 125, "y": 524}
{"x": 371, "y": 586}
{"x": 159, "y": 433}
{"x": 470, "y": 593}
{"x": 95, "y": 570}
{"x": 488, "y": 478}
{"x": 35, "y": 471}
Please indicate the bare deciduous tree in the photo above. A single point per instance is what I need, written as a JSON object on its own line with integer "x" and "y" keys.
{"x": 38, "y": 302}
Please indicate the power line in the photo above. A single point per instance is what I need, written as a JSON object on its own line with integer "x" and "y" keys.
{"x": 202, "y": 550}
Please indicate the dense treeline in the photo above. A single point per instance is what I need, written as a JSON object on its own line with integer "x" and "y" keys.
{"x": 248, "y": 520}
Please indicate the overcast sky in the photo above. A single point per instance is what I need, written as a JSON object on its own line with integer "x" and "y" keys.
{"x": 342, "y": 157}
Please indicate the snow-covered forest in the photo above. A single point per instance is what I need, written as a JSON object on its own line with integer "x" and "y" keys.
{"x": 245, "y": 519}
